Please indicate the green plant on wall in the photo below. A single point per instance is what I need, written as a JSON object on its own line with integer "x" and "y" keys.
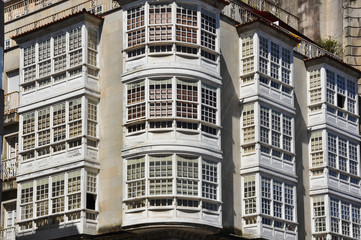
{"x": 331, "y": 45}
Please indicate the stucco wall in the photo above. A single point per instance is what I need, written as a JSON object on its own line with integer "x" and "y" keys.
{"x": 110, "y": 123}
{"x": 302, "y": 161}
{"x": 230, "y": 120}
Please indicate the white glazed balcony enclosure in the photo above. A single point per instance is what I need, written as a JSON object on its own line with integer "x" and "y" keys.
{"x": 268, "y": 166}
{"x": 332, "y": 96}
{"x": 267, "y": 97}
{"x": 172, "y": 155}
{"x": 58, "y": 128}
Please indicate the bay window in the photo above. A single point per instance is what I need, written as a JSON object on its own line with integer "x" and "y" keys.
{"x": 52, "y": 189}
{"x": 316, "y": 149}
{"x": 187, "y": 175}
{"x": 58, "y": 58}
{"x": 46, "y": 137}
{"x": 319, "y": 214}
{"x": 274, "y": 64}
{"x": 345, "y": 218}
{"x": 157, "y": 172}
{"x": 171, "y": 98}
{"x": 341, "y": 95}
{"x": 275, "y": 133}
{"x": 249, "y": 196}
{"x": 187, "y": 28}
{"x": 343, "y": 158}
{"x": 277, "y": 203}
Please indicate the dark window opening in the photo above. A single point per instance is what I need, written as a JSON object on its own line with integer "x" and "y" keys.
{"x": 340, "y": 101}
{"x": 90, "y": 201}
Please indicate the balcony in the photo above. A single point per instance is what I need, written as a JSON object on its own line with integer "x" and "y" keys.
{"x": 7, "y": 233}
{"x": 82, "y": 221}
{"x": 330, "y": 114}
{"x": 240, "y": 12}
{"x": 9, "y": 168}
{"x": 11, "y": 104}
{"x": 22, "y": 8}
{"x": 335, "y": 179}
{"x": 268, "y": 6}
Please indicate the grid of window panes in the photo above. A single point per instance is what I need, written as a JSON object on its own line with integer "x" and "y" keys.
{"x": 187, "y": 175}
{"x": 249, "y": 196}
{"x": 345, "y": 218}
{"x": 275, "y": 62}
{"x": 58, "y": 193}
{"x": 160, "y": 175}
{"x": 162, "y": 103}
{"x": 248, "y": 127}
{"x": 42, "y": 194}
{"x": 53, "y": 131}
{"x": 316, "y": 149}
{"x": 187, "y": 99}
{"x": 55, "y": 55}
{"x": 28, "y": 62}
{"x": 136, "y": 177}
{"x": 51, "y": 193}
{"x": 43, "y": 129}
{"x": 247, "y": 55}
{"x": 277, "y": 202}
{"x": 74, "y": 195}
{"x": 341, "y": 95}
{"x": 44, "y": 63}
{"x": 26, "y": 200}
{"x": 28, "y": 131}
{"x": 319, "y": 214}
{"x": 209, "y": 179}
{"x": 343, "y": 156}
{"x": 209, "y": 104}
{"x": 208, "y": 33}
{"x": 315, "y": 86}
{"x": 247, "y": 79}
{"x": 92, "y": 51}
{"x": 276, "y": 133}
{"x": 92, "y": 118}
{"x": 136, "y": 100}
{"x": 286, "y": 66}
{"x": 160, "y": 22}
{"x": 160, "y": 98}
{"x": 160, "y": 27}
{"x": 158, "y": 172}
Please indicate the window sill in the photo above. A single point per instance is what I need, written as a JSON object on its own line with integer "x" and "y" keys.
{"x": 43, "y": 156}
{"x": 193, "y": 131}
{"x": 130, "y": 59}
{"x": 136, "y": 133}
{"x": 160, "y": 129}
{"x": 171, "y": 207}
{"x": 160, "y": 54}
{"x": 27, "y": 83}
{"x": 136, "y": 210}
{"x": 209, "y": 135}
{"x": 188, "y": 55}
{"x": 209, "y": 60}
{"x": 211, "y": 211}
{"x": 189, "y": 209}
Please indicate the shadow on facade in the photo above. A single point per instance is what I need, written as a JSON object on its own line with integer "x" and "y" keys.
{"x": 301, "y": 134}
{"x": 54, "y": 231}
{"x": 229, "y": 108}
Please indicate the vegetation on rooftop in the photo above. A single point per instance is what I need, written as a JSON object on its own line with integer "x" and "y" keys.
{"x": 331, "y": 45}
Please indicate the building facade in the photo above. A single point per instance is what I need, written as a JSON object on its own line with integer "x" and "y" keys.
{"x": 174, "y": 120}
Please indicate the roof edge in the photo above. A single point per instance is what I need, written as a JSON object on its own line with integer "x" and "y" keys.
{"x": 330, "y": 60}
{"x": 294, "y": 40}
{"x": 83, "y": 14}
